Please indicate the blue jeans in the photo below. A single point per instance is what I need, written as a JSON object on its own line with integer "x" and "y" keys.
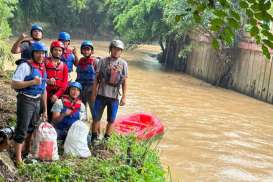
{"x": 112, "y": 108}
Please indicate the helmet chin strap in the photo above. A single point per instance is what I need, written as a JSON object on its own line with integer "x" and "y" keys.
{"x": 35, "y": 60}
{"x": 36, "y": 39}
{"x": 56, "y": 57}
{"x": 88, "y": 56}
{"x": 114, "y": 57}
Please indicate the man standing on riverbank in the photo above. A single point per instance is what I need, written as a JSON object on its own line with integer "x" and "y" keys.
{"x": 24, "y": 42}
{"x": 57, "y": 75}
{"x": 29, "y": 80}
{"x": 111, "y": 73}
{"x": 70, "y": 56}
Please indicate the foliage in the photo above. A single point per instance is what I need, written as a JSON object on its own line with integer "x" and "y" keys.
{"x": 6, "y": 9}
{"x": 143, "y": 20}
{"x": 229, "y": 16}
{"x": 138, "y": 21}
{"x": 132, "y": 161}
{"x": 74, "y": 16}
{"x": 77, "y": 5}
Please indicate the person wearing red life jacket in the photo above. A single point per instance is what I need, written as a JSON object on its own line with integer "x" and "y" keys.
{"x": 29, "y": 80}
{"x": 70, "y": 56}
{"x": 68, "y": 110}
{"x": 111, "y": 75}
{"x": 57, "y": 73}
{"x": 86, "y": 72}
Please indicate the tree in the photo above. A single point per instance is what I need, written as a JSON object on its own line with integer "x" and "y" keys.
{"x": 73, "y": 16}
{"x": 229, "y": 15}
{"x": 6, "y": 9}
{"x": 138, "y": 21}
{"x": 146, "y": 21}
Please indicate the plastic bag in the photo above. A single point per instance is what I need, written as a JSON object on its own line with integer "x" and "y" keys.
{"x": 45, "y": 143}
{"x": 76, "y": 140}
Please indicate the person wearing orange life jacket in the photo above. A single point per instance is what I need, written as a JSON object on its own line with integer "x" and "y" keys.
{"x": 23, "y": 43}
{"x": 70, "y": 56}
{"x": 111, "y": 74}
{"x": 68, "y": 110}
{"x": 57, "y": 73}
{"x": 86, "y": 72}
{"x": 29, "y": 80}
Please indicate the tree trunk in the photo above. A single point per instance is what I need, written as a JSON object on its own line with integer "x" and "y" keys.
{"x": 170, "y": 56}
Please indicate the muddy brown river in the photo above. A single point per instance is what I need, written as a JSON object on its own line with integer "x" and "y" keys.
{"x": 211, "y": 134}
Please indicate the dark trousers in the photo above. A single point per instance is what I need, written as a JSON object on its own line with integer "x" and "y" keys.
{"x": 27, "y": 116}
{"x": 49, "y": 113}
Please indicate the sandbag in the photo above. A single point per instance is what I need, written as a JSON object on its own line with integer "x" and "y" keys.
{"x": 45, "y": 143}
{"x": 76, "y": 141}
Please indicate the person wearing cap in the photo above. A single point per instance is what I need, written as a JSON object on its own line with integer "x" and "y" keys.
{"x": 86, "y": 72}
{"x": 70, "y": 56}
{"x": 23, "y": 43}
{"x": 29, "y": 80}
{"x": 111, "y": 75}
{"x": 68, "y": 110}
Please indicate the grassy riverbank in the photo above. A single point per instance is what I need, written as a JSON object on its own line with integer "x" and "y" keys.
{"x": 119, "y": 159}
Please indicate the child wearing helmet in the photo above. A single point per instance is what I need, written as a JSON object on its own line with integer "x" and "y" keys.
{"x": 57, "y": 73}
{"x": 29, "y": 80}
{"x": 86, "y": 72}
{"x": 111, "y": 74}
{"x": 69, "y": 57}
{"x": 23, "y": 43}
{"x": 68, "y": 110}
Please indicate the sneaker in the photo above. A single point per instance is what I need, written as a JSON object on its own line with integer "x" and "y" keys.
{"x": 95, "y": 142}
{"x": 30, "y": 161}
{"x": 106, "y": 137}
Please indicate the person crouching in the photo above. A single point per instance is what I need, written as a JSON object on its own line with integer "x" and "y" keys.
{"x": 68, "y": 110}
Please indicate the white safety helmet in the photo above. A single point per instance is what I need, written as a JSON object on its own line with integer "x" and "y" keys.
{"x": 116, "y": 43}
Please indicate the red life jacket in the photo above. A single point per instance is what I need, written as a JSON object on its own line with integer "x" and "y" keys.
{"x": 86, "y": 73}
{"x": 67, "y": 52}
{"x": 54, "y": 72}
{"x": 86, "y": 61}
{"x": 39, "y": 66}
{"x": 74, "y": 105}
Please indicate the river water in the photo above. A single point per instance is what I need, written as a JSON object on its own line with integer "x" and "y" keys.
{"x": 211, "y": 134}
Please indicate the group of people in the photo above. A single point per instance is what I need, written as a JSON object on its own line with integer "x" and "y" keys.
{"x": 46, "y": 90}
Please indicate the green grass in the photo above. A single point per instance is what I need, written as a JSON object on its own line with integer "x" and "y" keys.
{"x": 2, "y": 179}
{"x": 126, "y": 160}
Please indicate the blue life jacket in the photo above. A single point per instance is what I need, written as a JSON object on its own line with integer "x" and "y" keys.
{"x": 86, "y": 73}
{"x": 75, "y": 106}
{"x": 68, "y": 58}
{"x": 37, "y": 70}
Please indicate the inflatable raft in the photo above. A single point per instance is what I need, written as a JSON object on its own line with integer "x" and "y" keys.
{"x": 144, "y": 126}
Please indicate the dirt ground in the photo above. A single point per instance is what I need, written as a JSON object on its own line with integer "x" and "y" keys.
{"x": 7, "y": 101}
{"x": 7, "y": 118}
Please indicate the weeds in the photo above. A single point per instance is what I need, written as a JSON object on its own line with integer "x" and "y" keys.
{"x": 131, "y": 160}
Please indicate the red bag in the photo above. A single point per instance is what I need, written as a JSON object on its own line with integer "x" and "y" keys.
{"x": 45, "y": 143}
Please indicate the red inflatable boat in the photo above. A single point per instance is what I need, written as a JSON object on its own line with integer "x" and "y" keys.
{"x": 144, "y": 125}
